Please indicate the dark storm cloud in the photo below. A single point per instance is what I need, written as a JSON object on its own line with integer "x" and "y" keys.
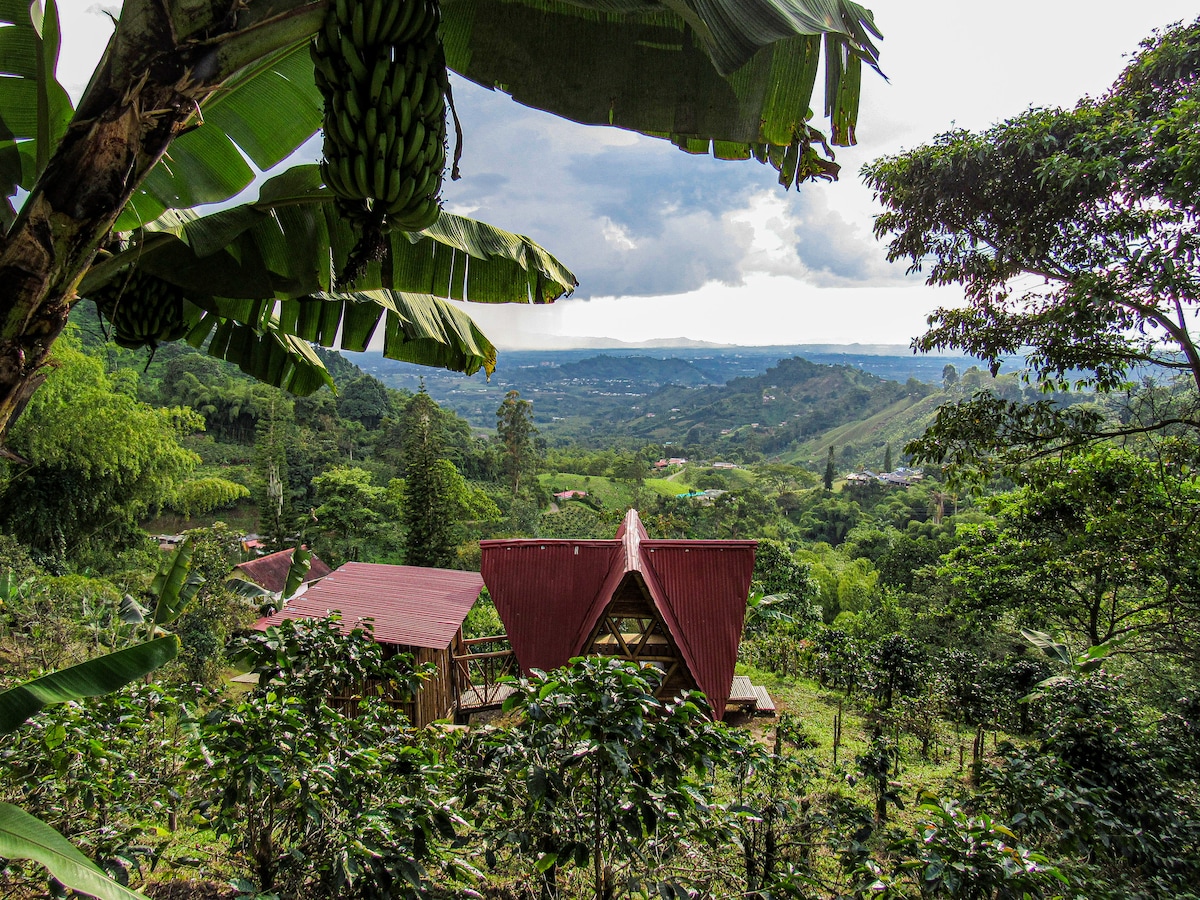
{"x": 836, "y": 251}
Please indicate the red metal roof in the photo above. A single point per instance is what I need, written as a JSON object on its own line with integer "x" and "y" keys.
{"x": 411, "y": 606}
{"x": 551, "y": 593}
{"x": 547, "y": 589}
{"x": 271, "y": 571}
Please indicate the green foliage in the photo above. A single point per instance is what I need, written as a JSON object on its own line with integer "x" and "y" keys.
{"x": 770, "y": 815}
{"x": 877, "y": 764}
{"x": 98, "y": 462}
{"x": 1097, "y": 203}
{"x": 597, "y": 771}
{"x": 203, "y": 495}
{"x": 364, "y": 400}
{"x": 777, "y": 574}
{"x": 895, "y": 668}
{"x": 829, "y": 519}
{"x": 482, "y": 620}
{"x": 836, "y": 659}
{"x": 1097, "y": 545}
{"x": 1097, "y": 788}
{"x": 313, "y": 798}
{"x": 217, "y": 612}
{"x": 23, "y": 836}
{"x": 352, "y": 518}
{"x": 274, "y": 441}
{"x": 517, "y": 435}
{"x": 428, "y": 509}
{"x": 102, "y": 771}
{"x": 972, "y": 857}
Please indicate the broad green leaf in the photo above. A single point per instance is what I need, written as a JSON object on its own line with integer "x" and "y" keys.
{"x": 242, "y": 586}
{"x": 264, "y": 112}
{"x": 1049, "y": 646}
{"x": 301, "y": 563}
{"x": 131, "y": 612}
{"x": 10, "y": 588}
{"x": 34, "y": 108}
{"x": 716, "y": 76}
{"x": 418, "y": 328}
{"x": 175, "y": 585}
{"x": 201, "y": 166}
{"x": 88, "y": 679}
{"x": 269, "y": 355}
{"x": 23, "y": 836}
{"x": 291, "y": 242}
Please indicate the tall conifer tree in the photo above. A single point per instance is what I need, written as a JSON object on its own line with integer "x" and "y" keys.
{"x": 428, "y": 514}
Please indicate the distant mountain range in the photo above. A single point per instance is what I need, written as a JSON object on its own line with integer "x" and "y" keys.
{"x": 772, "y": 397}
{"x": 558, "y": 342}
{"x": 527, "y": 342}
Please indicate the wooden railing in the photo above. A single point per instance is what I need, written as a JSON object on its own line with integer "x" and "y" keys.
{"x": 477, "y": 673}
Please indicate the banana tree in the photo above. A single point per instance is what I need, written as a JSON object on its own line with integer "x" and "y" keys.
{"x": 22, "y": 836}
{"x": 186, "y": 93}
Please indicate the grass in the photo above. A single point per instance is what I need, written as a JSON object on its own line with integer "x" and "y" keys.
{"x": 618, "y": 492}
{"x": 945, "y": 771}
{"x": 610, "y": 493}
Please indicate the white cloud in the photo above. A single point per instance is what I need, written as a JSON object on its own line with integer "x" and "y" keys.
{"x": 616, "y": 235}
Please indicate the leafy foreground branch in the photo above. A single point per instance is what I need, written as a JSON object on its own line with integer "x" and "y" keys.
{"x": 588, "y": 786}
{"x": 1073, "y": 234}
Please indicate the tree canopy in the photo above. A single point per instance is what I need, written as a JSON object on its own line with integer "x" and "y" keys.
{"x": 96, "y": 461}
{"x": 1073, "y": 234}
{"x": 1098, "y": 545}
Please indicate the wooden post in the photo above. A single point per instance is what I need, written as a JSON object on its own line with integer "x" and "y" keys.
{"x": 837, "y": 731}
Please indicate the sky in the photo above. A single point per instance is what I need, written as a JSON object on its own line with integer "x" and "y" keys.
{"x": 667, "y": 245}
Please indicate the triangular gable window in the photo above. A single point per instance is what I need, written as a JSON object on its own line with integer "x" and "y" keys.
{"x": 631, "y": 628}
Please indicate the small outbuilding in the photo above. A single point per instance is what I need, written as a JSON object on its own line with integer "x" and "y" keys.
{"x": 270, "y": 572}
{"x": 677, "y": 604}
{"x": 413, "y": 610}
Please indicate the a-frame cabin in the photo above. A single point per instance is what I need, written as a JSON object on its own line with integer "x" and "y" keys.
{"x": 677, "y": 604}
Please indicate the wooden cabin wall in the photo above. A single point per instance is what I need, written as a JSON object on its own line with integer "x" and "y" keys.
{"x": 435, "y": 699}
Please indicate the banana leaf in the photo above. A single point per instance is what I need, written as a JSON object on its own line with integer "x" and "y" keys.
{"x": 262, "y": 351}
{"x": 87, "y": 679}
{"x": 719, "y": 75}
{"x": 34, "y": 108}
{"x": 301, "y": 563}
{"x": 175, "y": 585}
{"x": 23, "y": 836}
{"x": 291, "y": 242}
{"x": 722, "y": 76}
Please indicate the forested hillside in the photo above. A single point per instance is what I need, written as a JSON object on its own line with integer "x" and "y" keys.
{"x": 889, "y": 610}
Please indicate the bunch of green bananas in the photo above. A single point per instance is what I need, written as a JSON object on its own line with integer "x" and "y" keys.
{"x": 379, "y": 65}
{"x": 142, "y": 308}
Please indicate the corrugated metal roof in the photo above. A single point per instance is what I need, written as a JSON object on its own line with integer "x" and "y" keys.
{"x": 271, "y": 571}
{"x": 551, "y": 593}
{"x": 704, "y": 585}
{"x": 410, "y": 605}
{"x": 543, "y": 591}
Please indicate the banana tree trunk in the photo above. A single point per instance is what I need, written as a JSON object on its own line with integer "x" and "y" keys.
{"x": 147, "y": 89}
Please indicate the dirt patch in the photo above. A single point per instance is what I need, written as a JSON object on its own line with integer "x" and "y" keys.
{"x": 187, "y": 889}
